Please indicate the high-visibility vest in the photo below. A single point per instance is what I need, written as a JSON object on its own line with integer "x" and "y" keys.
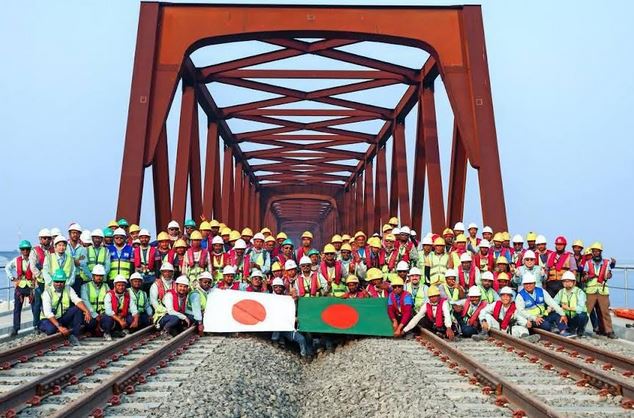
{"x": 160, "y": 311}
{"x": 140, "y": 298}
{"x": 96, "y": 296}
{"x": 571, "y": 300}
{"x": 217, "y": 264}
{"x": 123, "y": 309}
{"x": 557, "y": 264}
{"x": 453, "y": 294}
{"x": 438, "y": 266}
{"x": 203, "y": 298}
{"x": 597, "y": 282}
{"x": 23, "y": 272}
{"x": 487, "y": 294}
{"x": 419, "y": 295}
{"x": 120, "y": 262}
{"x": 338, "y": 289}
{"x": 534, "y": 304}
{"x": 60, "y": 303}
{"x": 308, "y": 288}
{"x": 94, "y": 257}
{"x": 54, "y": 264}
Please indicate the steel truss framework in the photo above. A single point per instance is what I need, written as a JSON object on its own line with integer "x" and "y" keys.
{"x": 306, "y": 181}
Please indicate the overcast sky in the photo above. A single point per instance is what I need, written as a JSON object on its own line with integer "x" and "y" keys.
{"x": 561, "y": 74}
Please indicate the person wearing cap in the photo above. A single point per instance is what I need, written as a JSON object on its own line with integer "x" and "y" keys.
{"x": 123, "y": 224}
{"x": 597, "y": 272}
{"x": 163, "y": 248}
{"x": 469, "y": 318}
{"x": 256, "y": 282}
{"x": 459, "y": 248}
{"x": 377, "y": 288}
{"x": 399, "y": 306}
{"x": 93, "y": 294}
{"x": 225, "y": 234}
{"x": 353, "y": 289}
{"x": 573, "y": 301}
{"x": 215, "y": 228}
{"x": 266, "y": 231}
{"x": 483, "y": 259}
{"x": 517, "y": 252}
{"x": 472, "y": 239}
{"x": 21, "y": 272}
{"x": 141, "y": 300}
{"x": 196, "y": 259}
{"x": 118, "y": 314}
{"x": 388, "y": 252}
{"x": 452, "y": 291}
{"x": 308, "y": 283}
{"x": 487, "y": 290}
{"x": 498, "y": 249}
{"x": 241, "y": 263}
{"x": 276, "y": 271}
{"x": 580, "y": 261}
{"x": 59, "y": 258}
{"x": 332, "y": 270}
{"x": 487, "y": 233}
{"x": 540, "y": 308}
{"x": 376, "y": 255}
{"x": 306, "y": 241}
{"x": 406, "y": 249}
{"x": 62, "y": 309}
{"x": 438, "y": 260}
{"x": 183, "y": 308}
{"x": 229, "y": 281}
{"x": 204, "y": 288}
{"x": 108, "y": 237}
{"x": 434, "y": 316}
{"x": 247, "y": 236}
{"x": 78, "y": 253}
{"x": 145, "y": 259}
{"x": 38, "y": 260}
{"x": 174, "y": 231}
{"x": 558, "y": 262}
{"x": 314, "y": 256}
{"x": 529, "y": 266}
{"x": 121, "y": 257}
{"x": 531, "y": 237}
{"x": 468, "y": 274}
{"x": 305, "y": 348}
{"x": 290, "y": 274}
{"x": 503, "y": 315}
{"x": 415, "y": 288}
{"x": 176, "y": 256}
{"x": 501, "y": 280}
{"x": 98, "y": 253}
{"x": 162, "y": 285}
{"x": 258, "y": 256}
{"x": 501, "y": 266}
{"x": 286, "y": 252}
{"x": 217, "y": 258}
{"x": 387, "y": 229}
{"x": 458, "y": 228}
{"x": 402, "y": 268}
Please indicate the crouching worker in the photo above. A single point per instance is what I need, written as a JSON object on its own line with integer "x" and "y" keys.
{"x": 118, "y": 310}
{"x": 182, "y": 311}
{"x": 293, "y": 336}
{"x": 573, "y": 301}
{"x": 399, "y": 306}
{"x": 469, "y": 318}
{"x": 504, "y": 316}
{"x": 62, "y": 309}
{"x": 434, "y": 315}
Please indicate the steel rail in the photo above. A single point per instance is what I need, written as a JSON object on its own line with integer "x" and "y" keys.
{"x": 529, "y": 405}
{"x": 23, "y": 353}
{"x": 35, "y": 390}
{"x": 109, "y": 390}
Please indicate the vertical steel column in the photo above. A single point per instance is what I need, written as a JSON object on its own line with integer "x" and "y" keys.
{"x": 380, "y": 201}
{"x": 434, "y": 177}
{"x": 258, "y": 209}
{"x": 418, "y": 188}
{"x": 195, "y": 180}
{"x": 246, "y": 203}
{"x": 238, "y": 192}
{"x": 183, "y": 155}
{"x": 457, "y": 179}
{"x": 211, "y": 167}
{"x": 369, "y": 198}
{"x": 359, "y": 209}
{"x": 394, "y": 177}
{"x": 227, "y": 187}
{"x": 345, "y": 211}
{"x": 161, "y": 183}
{"x": 403, "y": 179}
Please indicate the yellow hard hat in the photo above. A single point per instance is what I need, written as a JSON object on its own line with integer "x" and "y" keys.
{"x": 336, "y": 239}
{"x": 134, "y": 228}
{"x": 461, "y": 238}
{"x": 205, "y": 226}
{"x": 390, "y": 237}
{"x": 447, "y": 231}
{"x": 387, "y": 227}
{"x": 345, "y": 237}
{"x": 374, "y": 242}
{"x": 503, "y": 276}
{"x": 196, "y": 235}
{"x": 225, "y": 231}
{"x": 307, "y": 234}
{"x": 360, "y": 234}
{"x": 374, "y": 273}
{"x": 577, "y": 243}
{"x": 393, "y": 221}
{"x": 276, "y": 266}
{"x": 180, "y": 243}
{"x": 266, "y": 230}
{"x": 435, "y": 281}
{"x": 596, "y": 246}
{"x": 587, "y": 251}
{"x": 214, "y": 224}
{"x": 234, "y": 235}
{"x": 329, "y": 248}
{"x": 247, "y": 232}
{"x": 498, "y": 237}
{"x": 439, "y": 241}
{"x": 113, "y": 224}
{"x": 531, "y": 236}
{"x": 433, "y": 291}
{"x": 163, "y": 236}
{"x": 396, "y": 280}
{"x": 506, "y": 236}
{"x": 352, "y": 279}
{"x": 222, "y": 225}
{"x": 281, "y": 235}
{"x": 346, "y": 247}
{"x": 501, "y": 260}
{"x": 269, "y": 239}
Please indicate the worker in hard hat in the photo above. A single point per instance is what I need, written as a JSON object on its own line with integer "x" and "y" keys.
{"x": 121, "y": 257}
{"x": 394, "y": 222}
{"x": 225, "y": 234}
{"x": 141, "y": 300}
{"x": 415, "y": 288}
{"x": 487, "y": 290}
{"x": 306, "y": 241}
{"x": 427, "y": 247}
{"x": 452, "y": 291}
{"x": 406, "y": 249}
{"x": 59, "y": 259}
{"x": 218, "y": 258}
{"x": 163, "y": 248}
{"x": 240, "y": 262}
{"x": 353, "y": 289}
{"x": 501, "y": 266}
{"x": 286, "y": 252}
{"x": 388, "y": 254}
{"x": 498, "y": 249}
{"x": 472, "y": 239}
{"x": 291, "y": 271}
{"x": 438, "y": 260}
{"x": 196, "y": 259}
{"x": 434, "y": 315}
{"x": 399, "y": 306}
{"x": 78, "y": 252}
{"x": 580, "y": 261}
{"x": 176, "y": 302}
{"x": 229, "y": 281}
{"x": 337, "y": 242}
{"x": 62, "y": 309}
{"x": 361, "y": 255}
{"x": 332, "y": 270}
{"x": 376, "y": 255}
{"x": 97, "y": 253}
{"x": 573, "y": 302}
{"x": 174, "y": 231}
{"x": 458, "y": 228}
{"x": 541, "y": 251}
{"x": 531, "y": 267}
{"x": 487, "y": 233}
{"x": 93, "y": 294}
{"x": 449, "y": 236}
{"x": 276, "y": 271}
{"x": 504, "y": 315}
{"x": 256, "y": 282}
{"x": 118, "y": 311}
{"x": 204, "y": 289}
{"x": 309, "y": 283}
{"x": 176, "y": 256}
{"x": 215, "y": 228}
{"x": 501, "y": 280}
{"x": 161, "y": 285}
{"x": 258, "y": 256}
{"x": 459, "y": 248}
{"x": 506, "y": 242}
{"x": 108, "y": 237}
{"x": 345, "y": 257}
{"x": 315, "y": 259}
{"x": 540, "y": 308}
{"x": 21, "y": 272}
{"x": 247, "y": 236}
{"x": 38, "y": 260}
{"x": 190, "y": 226}
{"x": 85, "y": 239}
{"x": 597, "y": 272}
{"x": 468, "y": 274}
{"x": 279, "y": 239}
{"x": 133, "y": 233}
{"x": 377, "y": 288}
{"x": 558, "y": 262}
{"x": 483, "y": 259}
{"x": 145, "y": 259}
{"x": 112, "y": 225}
{"x": 269, "y": 246}
{"x": 387, "y": 229}
{"x": 469, "y": 318}
{"x": 234, "y": 236}
{"x": 205, "y": 232}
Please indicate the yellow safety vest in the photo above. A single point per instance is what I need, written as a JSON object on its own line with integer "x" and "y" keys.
{"x": 97, "y": 296}
{"x": 438, "y": 266}
{"x": 419, "y": 298}
{"x": 570, "y": 299}
{"x": 54, "y": 264}
{"x": 59, "y": 307}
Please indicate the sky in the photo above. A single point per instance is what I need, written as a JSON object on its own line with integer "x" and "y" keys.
{"x": 563, "y": 94}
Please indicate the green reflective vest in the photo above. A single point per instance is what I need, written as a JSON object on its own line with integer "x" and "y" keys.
{"x": 60, "y": 303}
{"x": 96, "y": 296}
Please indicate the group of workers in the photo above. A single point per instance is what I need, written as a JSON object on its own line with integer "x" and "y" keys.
{"x": 115, "y": 280}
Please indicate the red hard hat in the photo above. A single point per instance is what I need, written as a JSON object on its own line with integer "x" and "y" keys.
{"x": 560, "y": 240}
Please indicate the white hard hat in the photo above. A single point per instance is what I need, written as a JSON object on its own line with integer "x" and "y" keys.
{"x": 182, "y": 280}
{"x": 529, "y": 254}
{"x": 120, "y": 232}
{"x": 396, "y": 231}
{"x": 44, "y": 233}
{"x": 472, "y": 225}
{"x": 259, "y": 235}
{"x": 205, "y": 275}
{"x": 55, "y": 232}
{"x": 427, "y": 240}
{"x": 466, "y": 256}
{"x": 540, "y": 240}
{"x": 240, "y": 244}
{"x": 278, "y": 280}
{"x": 120, "y": 279}
{"x": 74, "y": 227}
{"x": 290, "y": 264}
{"x": 568, "y": 275}
{"x": 413, "y": 233}
{"x": 402, "y": 266}
{"x": 136, "y": 241}
{"x": 173, "y": 224}
{"x": 484, "y": 244}
{"x": 474, "y": 291}
{"x": 59, "y": 238}
{"x": 506, "y": 291}
{"x": 459, "y": 226}
{"x": 96, "y": 233}
{"x": 85, "y": 236}
{"x": 487, "y": 275}
{"x": 305, "y": 260}
{"x": 487, "y": 229}
{"x": 144, "y": 233}
{"x": 414, "y": 271}
{"x": 257, "y": 273}
{"x": 405, "y": 230}
{"x": 229, "y": 270}
{"x": 528, "y": 278}
{"x": 451, "y": 273}
{"x": 217, "y": 240}
{"x": 136, "y": 276}
{"x": 518, "y": 239}
{"x": 167, "y": 267}
{"x": 99, "y": 270}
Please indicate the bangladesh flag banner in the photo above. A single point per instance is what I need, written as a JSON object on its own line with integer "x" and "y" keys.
{"x": 366, "y": 316}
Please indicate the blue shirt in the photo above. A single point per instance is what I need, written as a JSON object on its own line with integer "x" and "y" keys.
{"x": 408, "y": 299}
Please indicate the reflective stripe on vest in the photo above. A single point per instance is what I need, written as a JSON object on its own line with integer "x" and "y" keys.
{"x": 59, "y": 303}
{"x": 597, "y": 283}
{"x": 120, "y": 262}
{"x": 534, "y": 305}
{"x": 418, "y": 295}
{"x": 96, "y": 298}
{"x": 139, "y": 298}
{"x": 570, "y": 299}
{"x": 54, "y": 265}
{"x": 438, "y": 264}
{"x": 24, "y": 273}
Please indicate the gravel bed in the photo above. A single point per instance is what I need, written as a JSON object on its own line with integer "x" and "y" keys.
{"x": 620, "y": 346}
{"x": 8, "y": 343}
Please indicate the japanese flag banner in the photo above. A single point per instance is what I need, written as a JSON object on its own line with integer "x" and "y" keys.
{"x": 239, "y": 311}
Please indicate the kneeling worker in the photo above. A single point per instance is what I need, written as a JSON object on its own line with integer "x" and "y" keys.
{"x": 434, "y": 315}
{"x": 503, "y": 315}
{"x": 118, "y": 310}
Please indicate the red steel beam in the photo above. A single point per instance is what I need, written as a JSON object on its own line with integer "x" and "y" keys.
{"x": 195, "y": 180}
{"x": 457, "y": 179}
{"x": 227, "y": 187}
{"x": 359, "y": 209}
{"x": 380, "y": 201}
{"x": 183, "y": 155}
{"x": 161, "y": 182}
{"x": 212, "y": 162}
{"x": 400, "y": 159}
{"x": 316, "y": 74}
{"x": 369, "y": 198}
{"x": 394, "y": 179}
{"x": 418, "y": 187}
{"x": 432, "y": 155}
{"x": 238, "y": 173}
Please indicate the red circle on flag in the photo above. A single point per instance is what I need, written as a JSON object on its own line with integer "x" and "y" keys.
{"x": 340, "y": 316}
{"x": 248, "y": 312}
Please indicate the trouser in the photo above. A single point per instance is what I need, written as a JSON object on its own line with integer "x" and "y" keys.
{"x": 467, "y": 330}
{"x": 296, "y": 337}
{"x": 603, "y": 301}
{"x": 174, "y": 325}
{"x": 577, "y": 323}
{"x": 552, "y": 320}
{"x": 148, "y": 280}
{"x": 594, "y": 318}
{"x": 37, "y": 305}
{"x": 94, "y": 326}
{"x": 515, "y": 330}
{"x": 431, "y": 326}
{"x": 144, "y": 320}
{"x": 109, "y": 325}
{"x": 22, "y": 293}
{"x": 72, "y": 319}
{"x": 77, "y": 285}
{"x": 553, "y": 287}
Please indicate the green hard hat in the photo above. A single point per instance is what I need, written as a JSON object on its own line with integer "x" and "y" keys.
{"x": 313, "y": 252}
{"x": 190, "y": 222}
{"x": 288, "y": 242}
{"x": 108, "y": 233}
{"x": 123, "y": 222}
{"x": 24, "y": 245}
{"x": 59, "y": 276}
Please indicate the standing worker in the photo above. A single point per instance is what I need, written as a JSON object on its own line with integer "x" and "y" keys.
{"x": 121, "y": 256}
{"x": 596, "y": 275}
{"x": 20, "y": 271}
{"x": 59, "y": 259}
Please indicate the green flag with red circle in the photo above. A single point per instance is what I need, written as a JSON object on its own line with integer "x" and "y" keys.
{"x": 367, "y": 316}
